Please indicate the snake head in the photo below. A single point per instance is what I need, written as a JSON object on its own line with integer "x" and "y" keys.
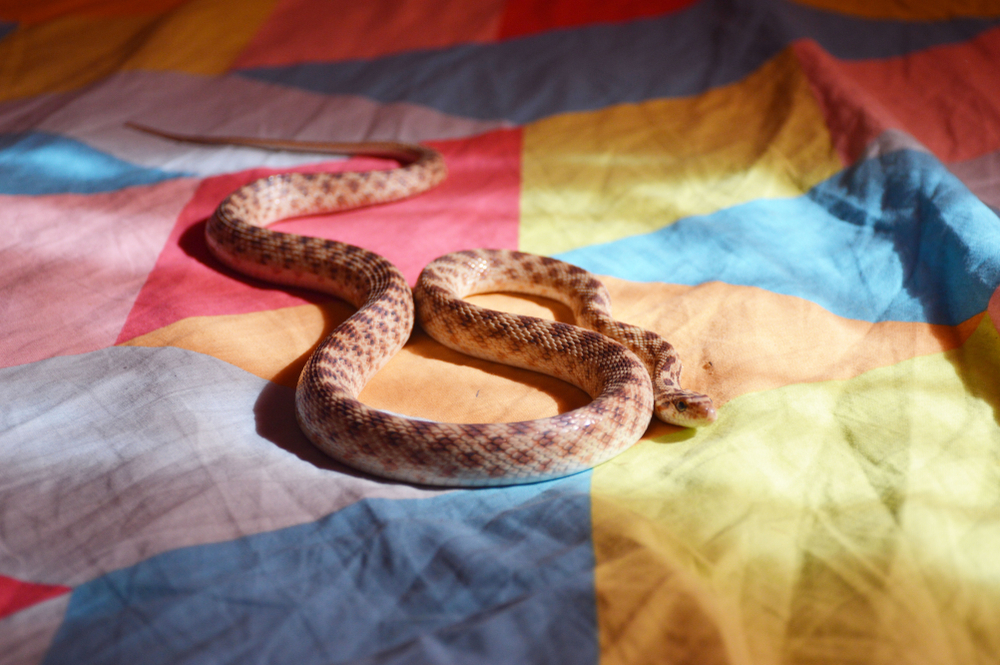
{"x": 685, "y": 408}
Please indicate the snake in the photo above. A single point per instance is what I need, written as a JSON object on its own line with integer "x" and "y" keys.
{"x": 629, "y": 373}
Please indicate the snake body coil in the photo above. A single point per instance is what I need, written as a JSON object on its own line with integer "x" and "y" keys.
{"x": 627, "y": 384}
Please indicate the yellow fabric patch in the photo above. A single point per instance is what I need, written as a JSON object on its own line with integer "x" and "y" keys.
{"x": 595, "y": 177}
{"x": 814, "y": 521}
{"x": 200, "y": 37}
{"x": 912, "y": 10}
{"x": 203, "y": 36}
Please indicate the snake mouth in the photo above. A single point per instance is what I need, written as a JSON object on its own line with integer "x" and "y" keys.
{"x": 687, "y": 411}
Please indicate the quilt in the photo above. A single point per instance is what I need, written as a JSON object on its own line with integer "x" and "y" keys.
{"x": 801, "y": 195}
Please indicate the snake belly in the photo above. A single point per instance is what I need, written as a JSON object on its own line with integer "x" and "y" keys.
{"x": 419, "y": 451}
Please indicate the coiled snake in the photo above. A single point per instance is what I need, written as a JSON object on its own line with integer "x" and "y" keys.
{"x": 627, "y": 385}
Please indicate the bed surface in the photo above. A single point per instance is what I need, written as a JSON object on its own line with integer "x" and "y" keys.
{"x": 801, "y": 196}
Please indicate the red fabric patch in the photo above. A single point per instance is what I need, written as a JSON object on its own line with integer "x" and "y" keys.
{"x": 945, "y": 97}
{"x": 16, "y": 595}
{"x": 322, "y": 31}
{"x": 476, "y": 206}
{"x": 527, "y": 17}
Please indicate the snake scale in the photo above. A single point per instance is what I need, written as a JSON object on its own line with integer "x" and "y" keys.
{"x": 626, "y": 385}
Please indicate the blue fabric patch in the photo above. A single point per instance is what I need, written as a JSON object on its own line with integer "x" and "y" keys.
{"x": 447, "y": 579}
{"x": 6, "y": 28}
{"x": 36, "y": 163}
{"x": 855, "y": 38}
{"x": 897, "y": 238}
{"x": 522, "y": 80}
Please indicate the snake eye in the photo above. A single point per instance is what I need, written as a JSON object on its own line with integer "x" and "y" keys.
{"x": 681, "y": 406}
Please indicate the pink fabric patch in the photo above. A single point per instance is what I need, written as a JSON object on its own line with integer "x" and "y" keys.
{"x": 74, "y": 264}
{"x": 15, "y": 595}
{"x": 477, "y": 206}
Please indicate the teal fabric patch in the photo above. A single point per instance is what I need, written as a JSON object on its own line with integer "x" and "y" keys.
{"x": 445, "y": 579}
{"x": 36, "y": 163}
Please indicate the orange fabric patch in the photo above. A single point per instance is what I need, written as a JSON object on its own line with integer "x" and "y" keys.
{"x": 733, "y": 340}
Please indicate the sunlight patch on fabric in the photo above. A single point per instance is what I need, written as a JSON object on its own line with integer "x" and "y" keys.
{"x": 735, "y": 340}
{"x": 848, "y": 493}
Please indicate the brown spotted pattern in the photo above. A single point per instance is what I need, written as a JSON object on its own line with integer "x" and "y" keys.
{"x": 443, "y": 314}
{"x": 618, "y": 379}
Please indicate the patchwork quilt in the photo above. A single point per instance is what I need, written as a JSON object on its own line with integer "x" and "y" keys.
{"x": 801, "y": 195}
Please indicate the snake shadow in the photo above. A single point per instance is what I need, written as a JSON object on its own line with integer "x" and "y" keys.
{"x": 192, "y": 242}
{"x": 274, "y": 409}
